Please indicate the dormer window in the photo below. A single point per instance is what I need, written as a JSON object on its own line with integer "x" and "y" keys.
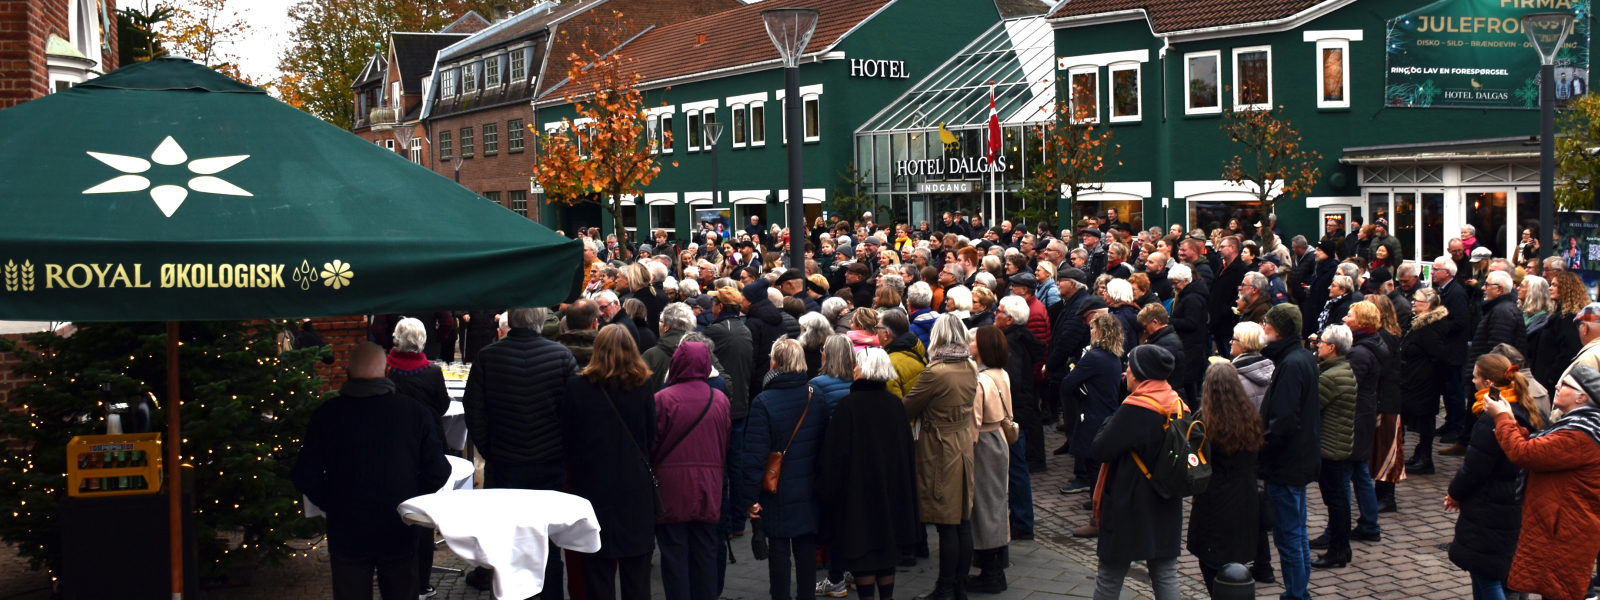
{"x": 519, "y": 61}
{"x": 447, "y": 84}
{"x": 491, "y": 72}
{"x": 469, "y": 78}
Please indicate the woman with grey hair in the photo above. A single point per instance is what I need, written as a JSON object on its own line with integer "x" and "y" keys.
{"x": 942, "y": 403}
{"x": 958, "y": 302}
{"x": 866, "y": 480}
{"x": 786, "y": 417}
{"x": 415, "y": 376}
{"x": 833, "y": 383}
{"x": 833, "y": 310}
{"x": 1341, "y": 294}
{"x": 814, "y": 330}
{"x": 1533, "y": 297}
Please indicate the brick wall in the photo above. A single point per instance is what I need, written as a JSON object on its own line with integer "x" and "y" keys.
{"x": 342, "y": 333}
{"x": 25, "y": 27}
{"x": 502, "y": 172}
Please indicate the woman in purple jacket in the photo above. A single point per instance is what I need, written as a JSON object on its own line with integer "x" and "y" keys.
{"x": 692, "y": 426}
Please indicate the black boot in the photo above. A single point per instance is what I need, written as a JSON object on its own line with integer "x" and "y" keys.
{"x": 1386, "y": 502}
{"x": 990, "y": 581}
{"x": 943, "y": 590}
{"x": 1424, "y": 467}
{"x": 1332, "y": 559}
{"x": 1262, "y": 572}
{"x": 962, "y": 581}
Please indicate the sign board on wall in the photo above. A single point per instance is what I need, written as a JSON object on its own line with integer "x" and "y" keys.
{"x": 883, "y": 69}
{"x": 1474, "y": 54}
{"x": 948, "y": 187}
{"x": 1578, "y": 244}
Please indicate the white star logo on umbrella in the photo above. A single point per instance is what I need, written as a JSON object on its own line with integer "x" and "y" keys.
{"x": 168, "y": 197}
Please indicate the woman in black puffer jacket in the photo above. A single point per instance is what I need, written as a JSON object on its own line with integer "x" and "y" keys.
{"x": 1487, "y": 489}
{"x": 1419, "y": 353}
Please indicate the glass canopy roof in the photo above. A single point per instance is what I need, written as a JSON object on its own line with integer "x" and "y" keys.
{"x": 1016, "y": 55}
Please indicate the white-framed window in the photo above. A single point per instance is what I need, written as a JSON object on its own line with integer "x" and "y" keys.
{"x": 519, "y": 62}
{"x": 1203, "y": 73}
{"x": 491, "y": 138}
{"x": 1083, "y": 94}
{"x": 1127, "y": 96}
{"x": 415, "y": 150}
{"x": 389, "y": 144}
{"x": 514, "y": 135}
{"x": 1252, "y": 78}
{"x": 394, "y": 94}
{"x": 469, "y": 78}
{"x": 447, "y": 84}
{"x": 1333, "y": 63}
{"x": 693, "y": 115}
{"x": 491, "y": 72}
{"x": 758, "y": 124}
{"x": 812, "y": 108}
{"x": 666, "y": 134}
{"x": 740, "y": 125}
{"x": 652, "y": 133}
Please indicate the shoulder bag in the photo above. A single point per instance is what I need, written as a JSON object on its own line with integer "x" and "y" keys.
{"x": 769, "y": 480}
{"x": 1008, "y": 425}
{"x": 649, "y": 467}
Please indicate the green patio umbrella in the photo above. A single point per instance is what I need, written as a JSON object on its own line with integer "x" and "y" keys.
{"x": 164, "y": 191}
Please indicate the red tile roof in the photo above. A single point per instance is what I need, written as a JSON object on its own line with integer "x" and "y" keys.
{"x": 733, "y": 38}
{"x": 1182, "y": 15}
{"x": 640, "y": 14}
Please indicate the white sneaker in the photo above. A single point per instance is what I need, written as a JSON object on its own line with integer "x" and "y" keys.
{"x": 829, "y": 588}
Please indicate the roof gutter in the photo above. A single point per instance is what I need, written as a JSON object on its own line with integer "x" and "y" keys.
{"x": 1429, "y": 158}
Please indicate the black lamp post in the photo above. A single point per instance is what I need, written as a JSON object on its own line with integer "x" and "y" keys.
{"x": 1547, "y": 31}
{"x": 790, "y": 30}
{"x": 713, "y": 132}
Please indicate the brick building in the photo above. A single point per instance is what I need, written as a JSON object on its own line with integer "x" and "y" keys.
{"x": 388, "y": 93}
{"x": 51, "y": 45}
{"x": 478, "y": 110}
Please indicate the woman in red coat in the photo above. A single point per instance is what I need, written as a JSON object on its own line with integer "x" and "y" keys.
{"x": 1561, "y": 507}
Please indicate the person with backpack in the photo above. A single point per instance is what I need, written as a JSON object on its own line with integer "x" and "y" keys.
{"x": 1137, "y": 521}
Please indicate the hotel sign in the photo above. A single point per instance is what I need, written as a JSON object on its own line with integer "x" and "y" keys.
{"x": 950, "y": 166}
{"x": 1474, "y": 54}
{"x": 882, "y": 69}
{"x": 949, "y": 187}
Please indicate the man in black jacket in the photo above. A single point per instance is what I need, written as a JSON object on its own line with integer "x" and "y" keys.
{"x": 512, "y": 404}
{"x": 765, "y": 321}
{"x": 1292, "y": 455}
{"x": 731, "y": 345}
{"x": 1501, "y": 324}
{"x": 1156, "y": 329}
{"x": 1189, "y": 320}
{"x": 336, "y": 472}
{"x": 1097, "y": 252}
{"x": 582, "y": 318}
{"x": 1025, "y": 351}
{"x": 611, "y": 313}
{"x": 1224, "y": 296}
{"x": 1455, "y": 336}
{"x": 1305, "y": 265}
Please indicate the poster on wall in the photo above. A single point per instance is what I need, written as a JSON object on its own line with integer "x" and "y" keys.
{"x": 1474, "y": 54}
{"x": 1578, "y": 244}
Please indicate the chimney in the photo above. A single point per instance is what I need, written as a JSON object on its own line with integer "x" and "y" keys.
{"x": 699, "y": 39}
{"x": 501, "y": 13}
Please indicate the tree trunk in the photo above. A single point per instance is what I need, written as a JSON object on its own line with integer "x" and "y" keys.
{"x": 614, "y": 205}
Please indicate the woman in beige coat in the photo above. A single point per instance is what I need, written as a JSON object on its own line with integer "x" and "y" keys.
{"x": 991, "y": 509}
{"x": 942, "y": 400}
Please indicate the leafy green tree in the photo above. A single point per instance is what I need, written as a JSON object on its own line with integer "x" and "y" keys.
{"x": 137, "y": 40}
{"x": 849, "y": 201}
{"x": 1039, "y": 202}
{"x": 1577, "y": 163}
{"x": 245, "y": 407}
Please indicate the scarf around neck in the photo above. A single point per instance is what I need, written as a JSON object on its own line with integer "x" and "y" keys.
{"x": 406, "y": 361}
{"x": 950, "y": 352}
{"x": 1585, "y": 419}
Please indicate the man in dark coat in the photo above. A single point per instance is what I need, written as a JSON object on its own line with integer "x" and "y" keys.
{"x": 611, "y": 313}
{"x": 1068, "y": 338}
{"x": 583, "y": 324}
{"x": 1136, "y": 523}
{"x": 732, "y": 346}
{"x": 1193, "y": 253}
{"x": 1453, "y": 296}
{"x": 1292, "y": 454}
{"x": 1305, "y": 267}
{"x": 1155, "y": 329}
{"x": 336, "y": 472}
{"x": 513, "y": 413}
{"x": 1501, "y": 323}
{"x": 765, "y": 322}
{"x": 1317, "y": 293}
{"x": 1189, "y": 321}
{"x": 1097, "y": 252}
{"x": 1025, "y": 350}
{"x": 1225, "y": 295}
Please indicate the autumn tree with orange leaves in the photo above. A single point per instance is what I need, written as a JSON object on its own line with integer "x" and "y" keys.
{"x": 1078, "y": 154}
{"x": 608, "y": 157}
{"x": 1273, "y": 159}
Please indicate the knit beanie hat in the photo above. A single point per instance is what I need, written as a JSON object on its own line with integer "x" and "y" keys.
{"x": 1150, "y": 363}
{"x": 1327, "y": 246}
{"x": 1285, "y": 318}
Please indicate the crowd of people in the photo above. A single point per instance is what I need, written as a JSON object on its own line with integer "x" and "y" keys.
{"x": 705, "y": 390}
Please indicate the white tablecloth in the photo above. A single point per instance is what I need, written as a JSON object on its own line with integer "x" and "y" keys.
{"x": 508, "y": 530}
{"x": 461, "y": 471}
{"x": 455, "y": 426}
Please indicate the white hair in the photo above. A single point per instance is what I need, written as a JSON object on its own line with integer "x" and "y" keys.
{"x": 1406, "y": 269}
{"x": 948, "y": 330}
{"x": 1339, "y": 336}
{"x": 960, "y": 297}
{"x": 1250, "y": 335}
{"x": 1345, "y": 283}
{"x": 1350, "y": 270}
{"x": 1471, "y": 231}
{"x": 658, "y": 272}
{"x": 678, "y": 317}
{"x": 832, "y": 307}
{"x": 775, "y": 296}
{"x": 689, "y": 288}
{"x": 1119, "y": 290}
{"x": 919, "y": 296}
{"x": 985, "y": 279}
{"x": 607, "y": 295}
{"x": 502, "y": 322}
{"x": 691, "y": 273}
{"x": 1180, "y": 272}
{"x": 527, "y": 318}
{"x": 1502, "y": 279}
{"x": 1446, "y": 263}
{"x": 814, "y": 330}
{"x": 875, "y": 365}
{"x": 409, "y": 335}
{"x": 1256, "y": 280}
{"x": 1015, "y": 307}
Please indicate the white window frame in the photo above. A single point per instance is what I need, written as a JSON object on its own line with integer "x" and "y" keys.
{"x": 415, "y": 150}
{"x": 1343, "y": 46}
{"x": 389, "y": 144}
{"x": 469, "y": 78}
{"x": 692, "y": 120}
{"x": 1188, "y": 58}
{"x": 491, "y": 70}
{"x": 488, "y": 129}
{"x": 1111, "y": 92}
{"x": 652, "y": 133}
{"x": 518, "y": 61}
{"x": 394, "y": 94}
{"x": 658, "y": 115}
{"x": 751, "y": 112}
{"x": 1238, "y": 102}
{"x": 1072, "y": 96}
{"x": 738, "y": 125}
{"x": 520, "y": 138}
{"x": 447, "y": 84}
{"x": 696, "y": 111}
{"x": 805, "y": 121}
{"x": 808, "y": 92}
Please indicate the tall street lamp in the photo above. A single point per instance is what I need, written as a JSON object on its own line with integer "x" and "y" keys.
{"x": 1547, "y": 31}
{"x": 790, "y": 30}
{"x": 713, "y": 132}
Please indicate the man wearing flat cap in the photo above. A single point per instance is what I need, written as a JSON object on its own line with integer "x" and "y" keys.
{"x": 1097, "y": 252}
{"x": 863, "y": 287}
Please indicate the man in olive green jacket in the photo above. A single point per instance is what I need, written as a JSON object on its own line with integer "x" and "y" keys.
{"x": 1337, "y": 390}
{"x": 905, "y": 350}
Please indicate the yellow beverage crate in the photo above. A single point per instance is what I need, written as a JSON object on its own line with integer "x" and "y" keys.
{"x": 114, "y": 465}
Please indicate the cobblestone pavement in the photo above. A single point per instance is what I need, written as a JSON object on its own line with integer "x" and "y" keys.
{"x": 1408, "y": 563}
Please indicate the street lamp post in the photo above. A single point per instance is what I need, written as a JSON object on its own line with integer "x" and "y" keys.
{"x": 402, "y": 137}
{"x": 790, "y": 30}
{"x": 713, "y": 132}
{"x": 1547, "y": 31}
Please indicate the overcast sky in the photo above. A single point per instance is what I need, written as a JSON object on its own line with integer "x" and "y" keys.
{"x": 270, "y": 24}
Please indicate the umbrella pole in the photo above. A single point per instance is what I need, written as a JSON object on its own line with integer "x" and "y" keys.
{"x": 174, "y": 471}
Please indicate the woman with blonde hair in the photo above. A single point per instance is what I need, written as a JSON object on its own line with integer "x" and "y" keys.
{"x": 1487, "y": 489}
{"x": 983, "y": 303}
{"x": 1092, "y": 386}
{"x": 786, "y": 417}
{"x": 1420, "y": 350}
{"x": 1047, "y": 292}
{"x": 863, "y": 329}
{"x": 942, "y": 403}
{"x": 887, "y": 299}
{"x": 1255, "y": 371}
{"x": 608, "y": 416}
{"x": 1387, "y": 463}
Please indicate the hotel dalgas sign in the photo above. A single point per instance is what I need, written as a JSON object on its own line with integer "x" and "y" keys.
{"x": 1474, "y": 54}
